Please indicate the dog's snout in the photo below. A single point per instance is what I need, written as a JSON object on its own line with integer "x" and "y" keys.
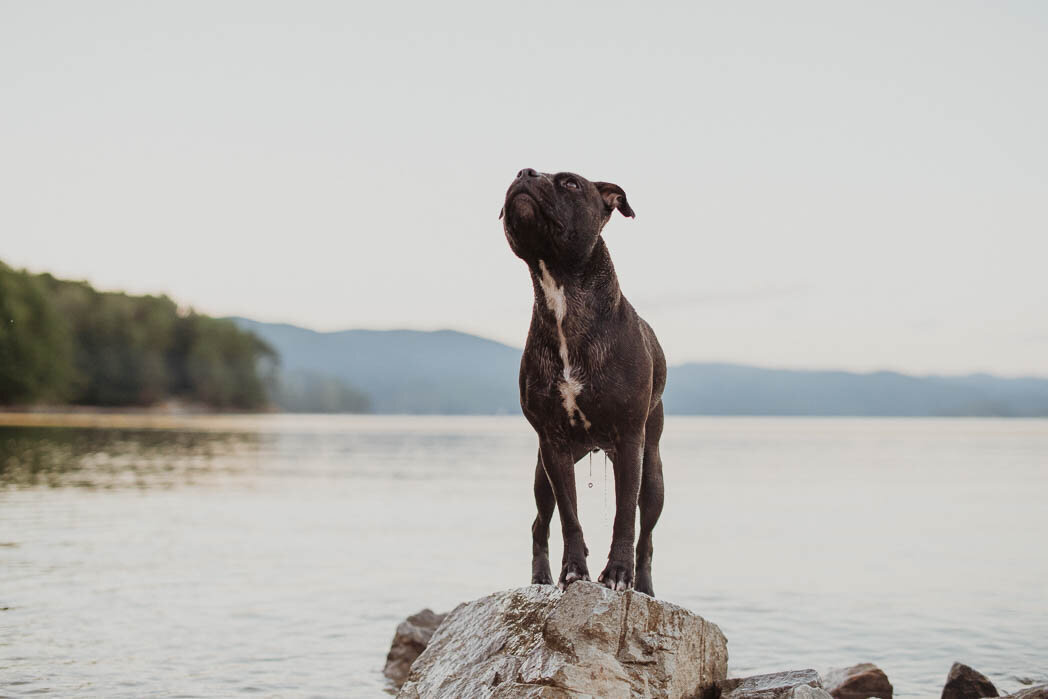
{"x": 527, "y": 172}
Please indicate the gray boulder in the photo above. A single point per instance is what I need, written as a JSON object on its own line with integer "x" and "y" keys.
{"x": 965, "y": 683}
{"x": 860, "y": 681}
{"x": 536, "y": 641}
{"x": 794, "y": 684}
{"x": 1038, "y": 692}
{"x": 409, "y": 641}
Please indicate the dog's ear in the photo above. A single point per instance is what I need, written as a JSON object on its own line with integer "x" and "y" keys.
{"x": 614, "y": 198}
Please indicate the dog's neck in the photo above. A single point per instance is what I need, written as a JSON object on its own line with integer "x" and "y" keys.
{"x": 592, "y": 285}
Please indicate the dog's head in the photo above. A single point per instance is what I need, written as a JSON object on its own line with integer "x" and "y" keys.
{"x": 558, "y": 217}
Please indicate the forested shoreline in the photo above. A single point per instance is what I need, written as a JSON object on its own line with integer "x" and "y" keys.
{"x": 63, "y": 342}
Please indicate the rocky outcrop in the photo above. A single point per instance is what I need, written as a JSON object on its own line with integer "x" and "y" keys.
{"x": 964, "y": 682}
{"x": 1038, "y": 692}
{"x": 794, "y": 684}
{"x": 536, "y": 641}
{"x": 410, "y": 640}
{"x": 858, "y": 682}
{"x": 539, "y": 642}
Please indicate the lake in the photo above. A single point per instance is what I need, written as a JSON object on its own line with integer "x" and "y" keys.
{"x": 275, "y": 555}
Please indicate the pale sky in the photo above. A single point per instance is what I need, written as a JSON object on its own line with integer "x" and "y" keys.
{"x": 820, "y": 185}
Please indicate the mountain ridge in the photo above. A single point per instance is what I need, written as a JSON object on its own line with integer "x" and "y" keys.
{"x": 453, "y": 372}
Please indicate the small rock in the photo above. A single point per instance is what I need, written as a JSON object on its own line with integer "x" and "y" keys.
{"x": 794, "y": 684}
{"x": 860, "y": 681}
{"x": 965, "y": 683}
{"x": 1038, "y": 692}
{"x": 410, "y": 640}
{"x": 537, "y": 642}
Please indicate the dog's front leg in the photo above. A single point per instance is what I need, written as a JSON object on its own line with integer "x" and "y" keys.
{"x": 560, "y": 469}
{"x": 618, "y": 574}
{"x": 545, "y": 503}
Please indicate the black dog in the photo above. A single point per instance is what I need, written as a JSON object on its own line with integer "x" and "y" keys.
{"x": 591, "y": 376}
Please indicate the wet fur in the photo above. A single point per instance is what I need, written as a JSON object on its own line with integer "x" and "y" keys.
{"x": 614, "y": 360}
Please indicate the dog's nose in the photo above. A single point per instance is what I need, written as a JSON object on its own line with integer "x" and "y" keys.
{"x": 527, "y": 172}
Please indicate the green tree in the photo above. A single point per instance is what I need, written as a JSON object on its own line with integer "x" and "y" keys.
{"x": 65, "y": 341}
{"x": 35, "y": 344}
{"x": 225, "y": 366}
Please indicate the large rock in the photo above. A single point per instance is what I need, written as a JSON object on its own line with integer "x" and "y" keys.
{"x": 1038, "y": 692}
{"x": 965, "y": 683}
{"x": 794, "y": 684}
{"x": 858, "y": 682}
{"x": 410, "y": 640}
{"x": 536, "y": 641}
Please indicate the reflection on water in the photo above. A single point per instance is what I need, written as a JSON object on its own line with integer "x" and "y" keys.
{"x": 60, "y": 457}
{"x": 209, "y": 556}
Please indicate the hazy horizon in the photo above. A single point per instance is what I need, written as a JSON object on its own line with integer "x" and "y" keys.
{"x": 817, "y": 186}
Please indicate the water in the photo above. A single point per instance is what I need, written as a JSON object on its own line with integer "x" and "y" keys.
{"x": 275, "y": 555}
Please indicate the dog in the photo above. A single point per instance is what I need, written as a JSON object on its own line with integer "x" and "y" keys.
{"x": 591, "y": 376}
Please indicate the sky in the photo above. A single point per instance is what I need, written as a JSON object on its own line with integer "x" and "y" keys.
{"x": 841, "y": 185}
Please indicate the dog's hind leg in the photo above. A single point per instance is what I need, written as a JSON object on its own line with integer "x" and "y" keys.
{"x": 545, "y": 502}
{"x": 651, "y": 499}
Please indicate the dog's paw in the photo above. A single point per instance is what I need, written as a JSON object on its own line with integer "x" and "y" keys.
{"x": 643, "y": 583}
{"x": 572, "y": 571}
{"x": 617, "y": 576}
{"x": 540, "y": 574}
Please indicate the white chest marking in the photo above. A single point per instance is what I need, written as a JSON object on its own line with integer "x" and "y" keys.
{"x": 570, "y": 387}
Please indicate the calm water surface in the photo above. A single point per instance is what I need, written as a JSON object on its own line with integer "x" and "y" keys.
{"x": 275, "y": 555}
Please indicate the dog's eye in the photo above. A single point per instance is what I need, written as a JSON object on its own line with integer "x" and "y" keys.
{"x": 570, "y": 183}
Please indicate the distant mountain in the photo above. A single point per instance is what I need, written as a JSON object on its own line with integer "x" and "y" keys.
{"x": 447, "y": 372}
{"x": 731, "y": 389}
{"x": 301, "y": 391}
{"x": 404, "y": 371}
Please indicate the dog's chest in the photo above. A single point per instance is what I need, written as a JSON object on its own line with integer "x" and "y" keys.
{"x": 564, "y": 373}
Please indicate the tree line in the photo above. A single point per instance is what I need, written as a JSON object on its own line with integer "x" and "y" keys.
{"x": 65, "y": 342}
